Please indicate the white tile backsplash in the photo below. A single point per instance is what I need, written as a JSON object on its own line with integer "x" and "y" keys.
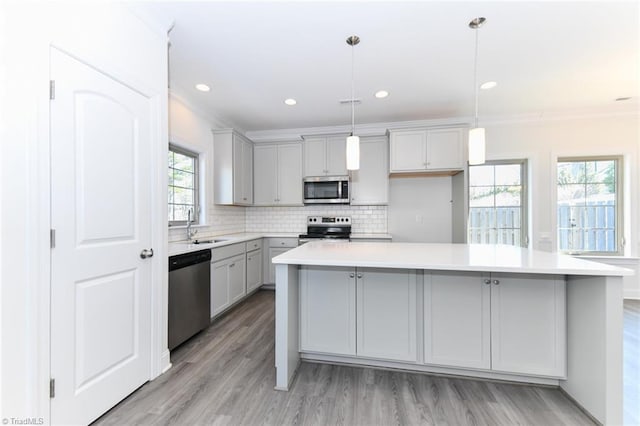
{"x": 220, "y": 220}
{"x": 231, "y": 219}
{"x": 365, "y": 219}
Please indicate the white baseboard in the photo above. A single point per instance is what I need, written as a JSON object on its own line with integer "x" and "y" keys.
{"x": 165, "y": 361}
{"x": 421, "y": 368}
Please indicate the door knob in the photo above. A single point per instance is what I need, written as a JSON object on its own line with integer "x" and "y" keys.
{"x": 487, "y": 281}
{"x": 146, "y": 253}
{"x": 496, "y": 282}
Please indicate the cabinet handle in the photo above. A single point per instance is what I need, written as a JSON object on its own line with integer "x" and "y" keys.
{"x": 487, "y": 281}
{"x": 282, "y": 243}
{"x": 232, "y": 265}
{"x": 496, "y": 282}
{"x": 248, "y": 258}
{"x": 351, "y": 275}
{"x": 359, "y": 275}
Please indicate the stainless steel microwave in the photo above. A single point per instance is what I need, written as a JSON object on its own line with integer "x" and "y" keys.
{"x": 326, "y": 190}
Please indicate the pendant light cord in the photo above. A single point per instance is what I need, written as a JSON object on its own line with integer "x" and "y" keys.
{"x": 475, "y": 78}
{"x": 353, "y": 100}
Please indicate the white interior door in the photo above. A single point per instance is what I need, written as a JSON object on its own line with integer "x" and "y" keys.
{"x": 100, "y": 210}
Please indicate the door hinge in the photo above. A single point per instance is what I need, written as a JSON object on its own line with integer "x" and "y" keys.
{"x": 52, "y": 388}
{"x": 52, "y": 238}
{"x": 52, "y": 89}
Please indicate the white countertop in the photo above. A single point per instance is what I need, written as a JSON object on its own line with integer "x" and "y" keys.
{"x": 181, "y": 247}
{"x": 444, "y": 257}
{"x": 371, "y": 236}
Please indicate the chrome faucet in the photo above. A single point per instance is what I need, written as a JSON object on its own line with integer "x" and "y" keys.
{"x": 190, "y": 233}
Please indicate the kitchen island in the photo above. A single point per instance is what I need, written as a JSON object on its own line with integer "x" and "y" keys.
{"x": 495, "y": 312}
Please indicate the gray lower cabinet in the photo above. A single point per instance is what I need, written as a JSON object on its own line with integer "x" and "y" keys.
{"x": 228, "y": 277}
{"x": 386, "y": 314}
{"x": 254, "y": 270}
{"x": 379, "y": 306}
{"x": 275, "y": 247}
{"x": 328, "y": 310}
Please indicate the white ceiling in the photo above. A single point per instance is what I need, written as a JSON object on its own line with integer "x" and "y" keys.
{"x": 547, "y": 57}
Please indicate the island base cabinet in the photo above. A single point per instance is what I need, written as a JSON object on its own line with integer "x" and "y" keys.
{"x": 386, "y": 314}
{"x": 457, "y": 319}
{"x": 327, "y": 310}
{"x": 528, "y": 324}
{"x": 509, "y": 323}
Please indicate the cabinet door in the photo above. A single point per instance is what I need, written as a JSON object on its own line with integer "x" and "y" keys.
{"x": 247, "y": 172}
{"x": 266, "y": 175}
{"x": 386, "y": 314}
{"x": 219, "y": 287}
{"x": 528, "y": 324}
{"x": 328, "y": 310}
{"x": 254, "y": 270}
{"x": 408, "y": 151}
{"x": 237, "y": 278}
{"x": 444, "y": 149}
{"x": 238, "y": 173}
{"x": 336, "y": 152}
{"x": 273, "y": 252}
{"x": 370, "y": 184}
{"x": 457, "y": 313}
{"x": 290, "y": 174}
{"x": 314, "y": 157}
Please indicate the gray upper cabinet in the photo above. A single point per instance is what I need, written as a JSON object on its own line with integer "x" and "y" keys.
{"x": 232, "y": 168}
{"x": 426, "y": 150}
{"x": 278, "y": 174}
{"x": 325, "y": 156}
{"x": 370, "y": 183}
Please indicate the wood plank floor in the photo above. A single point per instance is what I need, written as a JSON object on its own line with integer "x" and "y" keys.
{"x": 226, "y": 376}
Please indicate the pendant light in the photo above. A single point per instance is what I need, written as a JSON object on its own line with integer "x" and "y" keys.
{"x": 476, "y": 134}
{"x": 353, "y": 142}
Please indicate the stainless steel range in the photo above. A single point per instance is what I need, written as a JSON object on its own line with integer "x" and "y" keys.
{"x": 327, "y": 228}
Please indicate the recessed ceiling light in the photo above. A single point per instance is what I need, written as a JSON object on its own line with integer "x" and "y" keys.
{"x": 381, "y": 94}
{"x": 290, "y": 101}
{"x": 625, "y": 98}
{"x": 203, "y": 87}
{"x": 488, "y": 85}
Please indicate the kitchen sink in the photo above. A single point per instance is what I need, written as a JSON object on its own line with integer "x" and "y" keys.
{"x": 217, "y": 240}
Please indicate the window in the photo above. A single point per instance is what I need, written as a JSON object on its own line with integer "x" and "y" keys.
{"x": 589, "y": 205}
{"x": 183, "y": 186}
{"x": 497, "y": 203}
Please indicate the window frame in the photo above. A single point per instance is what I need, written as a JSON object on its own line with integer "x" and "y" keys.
{"x": 619, "y": 199}
{"x": 524, "y": 205}
{"x": 195, "y": 220}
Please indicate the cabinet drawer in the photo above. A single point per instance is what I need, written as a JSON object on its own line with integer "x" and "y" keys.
{"x": 254, "y": 244}
{"x": 283, "y": 242}
{"x": 227, "y": 251}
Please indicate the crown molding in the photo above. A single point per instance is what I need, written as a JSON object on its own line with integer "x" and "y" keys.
{"x": 379, "y": 129}
{"x": 214, "y": 120}
{"x": 369, "y": 129}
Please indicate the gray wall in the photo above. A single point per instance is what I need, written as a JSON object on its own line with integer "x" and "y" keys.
{"x": 420, "y": 209}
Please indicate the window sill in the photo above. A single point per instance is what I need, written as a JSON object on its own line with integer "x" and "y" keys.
{"x": 604, "y": 256}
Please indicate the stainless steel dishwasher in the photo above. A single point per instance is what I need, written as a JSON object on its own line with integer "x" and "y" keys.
{"x": 189, "y": 295}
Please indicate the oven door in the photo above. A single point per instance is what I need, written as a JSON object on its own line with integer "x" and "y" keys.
{"x": 326, "y": 190}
